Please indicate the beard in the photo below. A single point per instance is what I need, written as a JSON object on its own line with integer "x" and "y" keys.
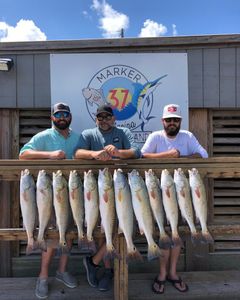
{"x": 62, "y": 124}
{"x": 171, "y": 130}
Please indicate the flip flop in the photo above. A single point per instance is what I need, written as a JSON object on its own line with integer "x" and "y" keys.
{"x": 160, "y": 284}
{"x": 178, "y": 281}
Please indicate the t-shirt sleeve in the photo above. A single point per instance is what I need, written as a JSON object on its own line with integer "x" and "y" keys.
{"x": 37, "y": 142}
{"x": 197, "y": 148}
{"x": 84, "y": 141}
{"x": 150, "y": 145}
{"x": 128, "y": 142}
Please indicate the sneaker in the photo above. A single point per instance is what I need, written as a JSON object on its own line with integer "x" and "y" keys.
{"x": 105, "y": 283}
{"x": 91, "y": 272}
{"x": 41, "y": 290}
{"x": 67, "y": 279}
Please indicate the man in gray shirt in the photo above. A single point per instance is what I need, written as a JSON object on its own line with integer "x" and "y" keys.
{"x": 105, "y": 142}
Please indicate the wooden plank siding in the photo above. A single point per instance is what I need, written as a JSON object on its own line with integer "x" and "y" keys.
{"x": 213, "y": 67}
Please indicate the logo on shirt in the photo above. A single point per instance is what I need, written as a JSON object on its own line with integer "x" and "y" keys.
{"x": 127, "y": 90}
{"x": 116, "y": 140}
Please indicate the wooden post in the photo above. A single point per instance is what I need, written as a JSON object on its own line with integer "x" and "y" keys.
{"x": 121, "y": 271}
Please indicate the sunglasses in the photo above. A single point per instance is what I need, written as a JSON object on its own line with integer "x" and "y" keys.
{"x": 175, "y": 120}
{"x": 107, "y": 118}
{"x": 61, "y": 114}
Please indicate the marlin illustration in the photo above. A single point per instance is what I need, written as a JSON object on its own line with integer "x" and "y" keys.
{"x": 142, "y": 101}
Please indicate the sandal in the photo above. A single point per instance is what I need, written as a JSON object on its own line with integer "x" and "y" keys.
{"x": 179, "y": 281}
{"x": 160, "y": 284}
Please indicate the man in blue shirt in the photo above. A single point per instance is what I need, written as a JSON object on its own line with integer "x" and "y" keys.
{"x": 58, "y": 142}
{"x": 104, "y": 142}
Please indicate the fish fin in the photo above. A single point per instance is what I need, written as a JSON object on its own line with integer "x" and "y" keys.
{"x": 120, "y": 195}
{"x": 138, "y": 194}
{"x": 105, "y": 197}
{"x": 31, "y": 247}
{"x": 92, "y": 245}
{"x": 207, "y": 238}
{"x": 167, "y": 191}
{"x": 153, "y": 251}
{"x": 111, "y": 253}
{"x": 153, "y": 194}
{"x": 82, "y": 242}
{"x": 182, "y": 192}
{"x": 197, "y": 192}
{"x": 88, "y": 195}
{"x": 41, "y": 244}
{"x": 196, "y": 238}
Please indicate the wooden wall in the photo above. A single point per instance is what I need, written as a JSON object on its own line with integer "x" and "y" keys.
{"x": 218, "y": 130}
{"x": 213, "y": 67}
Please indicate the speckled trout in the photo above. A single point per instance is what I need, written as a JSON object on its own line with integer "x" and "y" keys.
{"x": 170, "y": 204}
{"x": 199, "y": 199}
{"x": 142, "y": 210}
{"x": 107, "y": 209}
{"x": 61, "y": 206}
{"x": 185, "y": 202}
{"x": 154, "y": 193}
{"x": 28, "y": 207}
{"x": 124, "y": 211}
{"x": 75, "y": 189}
{"x": 91, "y": 205}
{"x": 45, "y": 206}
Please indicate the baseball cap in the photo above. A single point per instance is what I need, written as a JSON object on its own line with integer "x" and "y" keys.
{"x": 104, "y": 109}
{"x": 171, "y": 111}
{"x": 60, "y": 107}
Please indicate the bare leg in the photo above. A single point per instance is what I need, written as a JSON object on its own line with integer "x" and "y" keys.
{"x": 163, "y": 266}
{"x": 98, "y": 257}
{"x": 64, "y": 259}
{"x": 46, "y": 260}
{"x": 174, "y": 256}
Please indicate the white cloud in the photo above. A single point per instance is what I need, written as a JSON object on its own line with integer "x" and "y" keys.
{"x": 174, "y": 28}
{"x": 111, "y": 21}
{"x": 152, "y": 29}
{"x": 25, "y": 30}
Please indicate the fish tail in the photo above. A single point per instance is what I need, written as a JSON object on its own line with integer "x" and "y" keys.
{"x": 165, "y": 242}
{"x": 31, "y": 245}
{"x": 176, "y": 240}
{"x": 196, "y": 238}
{"x": 91, "y": 245}
{"x": 29, "y": 249}
{"x": 207, "y": 238}
{"x": 82, "y": 242}
{"x": 153, "y": 251}
{"x": 133, "y": 254}
{"x": 41, "y": 244}
{"x": 111, "y": 253}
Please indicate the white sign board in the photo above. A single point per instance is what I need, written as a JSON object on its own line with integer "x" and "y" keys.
{"x": 137, "y": 85}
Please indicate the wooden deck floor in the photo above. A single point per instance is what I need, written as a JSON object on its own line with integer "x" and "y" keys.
{"x": 202, "y": 285}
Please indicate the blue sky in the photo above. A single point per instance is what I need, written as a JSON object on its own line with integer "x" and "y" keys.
{"x": 26, "y": 20}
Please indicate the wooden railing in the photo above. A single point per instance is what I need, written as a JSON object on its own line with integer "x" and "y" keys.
{"x": 224, "y": 167}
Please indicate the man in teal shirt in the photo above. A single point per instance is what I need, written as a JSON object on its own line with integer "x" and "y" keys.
{"x": 58, "y": 142}
{"x": 104, "y": 142}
